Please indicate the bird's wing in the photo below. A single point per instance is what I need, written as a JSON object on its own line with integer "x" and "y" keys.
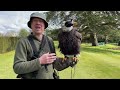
{"x": 78, "y": 35}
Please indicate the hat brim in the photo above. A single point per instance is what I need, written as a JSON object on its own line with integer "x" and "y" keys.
{"x": 29, "y": 23}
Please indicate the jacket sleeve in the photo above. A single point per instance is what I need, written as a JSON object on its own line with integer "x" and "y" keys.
{"x": 21, "y": 65}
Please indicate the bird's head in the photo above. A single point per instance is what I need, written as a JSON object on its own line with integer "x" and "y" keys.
{"x": 68, "y": 26}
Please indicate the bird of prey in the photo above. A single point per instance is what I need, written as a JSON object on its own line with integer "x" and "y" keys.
{"x": 69, "y": 41}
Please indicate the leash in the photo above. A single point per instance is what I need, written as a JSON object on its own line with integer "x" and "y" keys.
{"x": 73, "y": 65}
{"x": 73, "y": 72}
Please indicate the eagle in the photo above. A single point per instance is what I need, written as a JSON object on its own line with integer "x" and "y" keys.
{"x": 69, "y": 41}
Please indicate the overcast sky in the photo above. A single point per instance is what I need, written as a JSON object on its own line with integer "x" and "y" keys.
{"x": 14, "y": 20}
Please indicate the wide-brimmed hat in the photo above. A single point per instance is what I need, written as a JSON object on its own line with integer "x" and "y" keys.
{"x": 38, "y": 15}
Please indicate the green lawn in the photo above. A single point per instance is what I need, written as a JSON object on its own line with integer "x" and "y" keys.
{"x": 6, "y": 66}
{"x": 99, "y": 62}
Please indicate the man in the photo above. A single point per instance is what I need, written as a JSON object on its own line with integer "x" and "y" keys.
{"x": 40, "y": 66}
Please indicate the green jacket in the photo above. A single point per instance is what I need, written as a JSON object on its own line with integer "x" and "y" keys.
{"x": 23, "y": 54}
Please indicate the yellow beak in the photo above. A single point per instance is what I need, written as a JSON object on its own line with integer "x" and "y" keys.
{"x": 75, "y": 24}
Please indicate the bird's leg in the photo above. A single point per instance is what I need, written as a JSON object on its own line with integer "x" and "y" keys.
{"x": 74, "y": 59}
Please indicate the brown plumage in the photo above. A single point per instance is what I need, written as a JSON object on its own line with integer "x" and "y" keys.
{"x": 69, "y": 42}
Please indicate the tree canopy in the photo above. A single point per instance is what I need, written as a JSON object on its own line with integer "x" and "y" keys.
{"x": 89, "y": 22}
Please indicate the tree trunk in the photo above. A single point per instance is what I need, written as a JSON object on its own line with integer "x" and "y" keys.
{"x": 94, "y": 40}
{"x": 106, "y": 39}
{"x": 119, "y": 43}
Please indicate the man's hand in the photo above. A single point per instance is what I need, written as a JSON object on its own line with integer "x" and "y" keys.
{"x": 47, "y": 58}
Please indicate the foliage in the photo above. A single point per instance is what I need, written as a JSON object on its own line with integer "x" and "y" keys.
{"x": 95, "y": 22}
{"x": 23, "y": 33}
{"x": 53, "y": 33}
{"x": 8, "y": 44}
{"x": 119, "y": 43}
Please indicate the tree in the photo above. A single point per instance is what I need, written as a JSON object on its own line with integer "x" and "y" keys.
{"x": 11, "y": 33}
{"x": 119, "y": 43}
{"x": 23, "y": 33}
{"x": 91, "y": 22}
{"x": 52, "y": 33}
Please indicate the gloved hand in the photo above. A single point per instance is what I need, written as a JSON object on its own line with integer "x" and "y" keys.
{"x": 63, "y": 63}
{"x": 60, "y": 64}
{"x": 72, "y": 61}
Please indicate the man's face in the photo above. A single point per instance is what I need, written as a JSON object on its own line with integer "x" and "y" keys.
{"x": 37, "y": 25}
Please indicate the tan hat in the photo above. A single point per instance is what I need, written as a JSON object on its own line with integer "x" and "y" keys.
{"x": 38, "y": 15}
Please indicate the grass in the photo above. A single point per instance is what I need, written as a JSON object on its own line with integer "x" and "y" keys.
{"x": 6, "y": 66}
{"x": 99, "y": 62}
{"x": 95, "y": 63}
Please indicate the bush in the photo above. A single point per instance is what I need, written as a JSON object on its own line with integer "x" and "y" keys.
{"x": 8, "y": 43}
